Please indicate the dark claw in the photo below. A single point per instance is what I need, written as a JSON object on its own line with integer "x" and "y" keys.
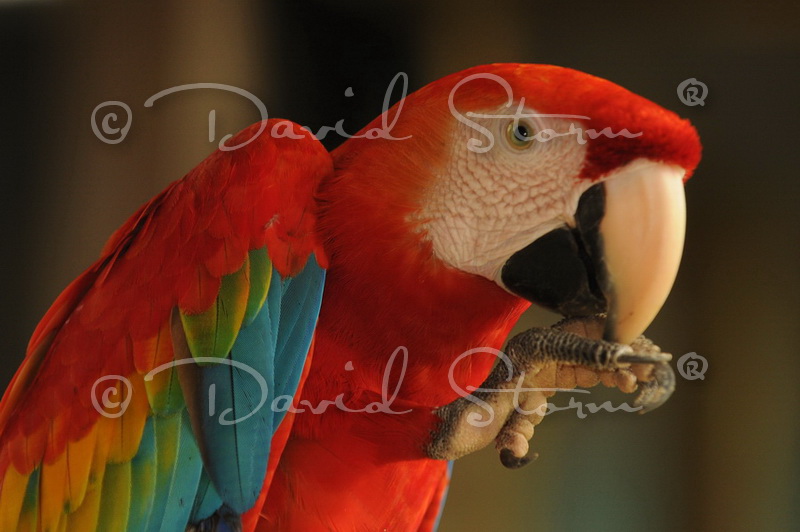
{"x": 655, "y": 392}
{"x": 573, "y": 342}
{"x": 650, "y": 358}
{"x": 508, "y": 459}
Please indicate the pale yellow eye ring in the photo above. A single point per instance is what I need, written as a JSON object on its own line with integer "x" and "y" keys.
{"x": 520, "y": 135}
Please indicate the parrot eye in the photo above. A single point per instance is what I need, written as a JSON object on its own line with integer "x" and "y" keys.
{"x": 519, "y": 134}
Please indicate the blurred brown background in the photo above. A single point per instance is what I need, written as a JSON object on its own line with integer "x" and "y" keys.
{"x": 721, "y": 455}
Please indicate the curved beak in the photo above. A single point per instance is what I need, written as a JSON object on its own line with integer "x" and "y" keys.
{"x": 622, "y": 255}
{"x": 642, "y": 231}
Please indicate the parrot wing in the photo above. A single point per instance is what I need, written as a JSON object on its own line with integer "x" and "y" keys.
{"x": 147, "y": 396}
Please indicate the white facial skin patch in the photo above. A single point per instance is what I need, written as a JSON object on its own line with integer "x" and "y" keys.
{"x": 488, "y": 205}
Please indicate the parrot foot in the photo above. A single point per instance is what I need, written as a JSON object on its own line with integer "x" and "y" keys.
{"x": 538, "y": 363}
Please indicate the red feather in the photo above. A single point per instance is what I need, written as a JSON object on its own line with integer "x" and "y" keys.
{"x": 172, "y": 252}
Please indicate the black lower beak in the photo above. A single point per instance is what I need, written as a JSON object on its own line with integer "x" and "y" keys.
{"x": 564, "y": 269}
{"x": 621, "y": 256}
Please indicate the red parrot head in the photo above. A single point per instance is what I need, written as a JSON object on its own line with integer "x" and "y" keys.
{"x": 562, "y": 188}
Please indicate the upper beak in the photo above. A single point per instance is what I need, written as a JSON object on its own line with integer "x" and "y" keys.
{"x": 622, "y": 256}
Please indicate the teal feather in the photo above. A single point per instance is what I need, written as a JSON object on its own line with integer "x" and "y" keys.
{"x": 236, "y": 455}
{"x": 299, "y": 311}
{"x": 177, "y": 477}
{"x": 207, "y": 500}
{"x": 143, "y": 474}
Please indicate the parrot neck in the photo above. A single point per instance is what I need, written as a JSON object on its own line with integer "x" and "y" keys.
{"x": 395, "y": 319}
{"x": 386, "y": 289}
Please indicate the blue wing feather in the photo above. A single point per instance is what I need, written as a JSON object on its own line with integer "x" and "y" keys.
{"x": 302, "y": 299}
{"x": 236, "y": 435}
{"x": 177, "y": 475}
{"x": 273, "y": 346}
{"x": 143, "y": 469}
{"x": 207, "y": 500}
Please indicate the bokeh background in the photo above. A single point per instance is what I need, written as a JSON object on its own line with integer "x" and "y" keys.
{"x": 721, "y": 455}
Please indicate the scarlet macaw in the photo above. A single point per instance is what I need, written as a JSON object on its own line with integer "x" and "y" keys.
{"x": 173, "y": 385}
